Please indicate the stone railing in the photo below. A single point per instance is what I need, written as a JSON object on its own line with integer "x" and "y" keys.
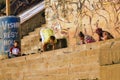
{"x": 84, "y": 62}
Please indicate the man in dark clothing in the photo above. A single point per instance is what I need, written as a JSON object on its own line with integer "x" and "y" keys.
{"x": 103, "y": 35}
{"x": 51, "y": 45}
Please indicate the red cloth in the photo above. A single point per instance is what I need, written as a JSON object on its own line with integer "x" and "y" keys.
{"x": 15, "y": 50}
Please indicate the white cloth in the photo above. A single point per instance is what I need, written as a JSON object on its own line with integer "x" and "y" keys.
{"x": 42, "y": 36}
{"x": 15, "y": 51}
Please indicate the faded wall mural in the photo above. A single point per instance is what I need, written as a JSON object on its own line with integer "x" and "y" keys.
{"x": 68, "y": 17}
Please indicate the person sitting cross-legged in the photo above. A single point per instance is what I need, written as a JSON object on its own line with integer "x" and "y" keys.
{"x": 15, "y": 51}
{"x": 84, "y": 38}
{"x": 103, "y": 35}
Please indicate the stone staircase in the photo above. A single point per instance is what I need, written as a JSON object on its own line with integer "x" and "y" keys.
{"x": 31, "y": 43}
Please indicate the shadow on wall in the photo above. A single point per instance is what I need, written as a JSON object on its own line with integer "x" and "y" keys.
{"x": 61, "y": 43}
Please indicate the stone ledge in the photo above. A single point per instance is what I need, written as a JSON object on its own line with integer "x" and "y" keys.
{"x": 84, "y": 60}
{"x": 109, "y": 48}
{"x": 110, "y": 72}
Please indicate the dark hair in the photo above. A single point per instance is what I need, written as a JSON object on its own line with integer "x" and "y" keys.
{"x": 52, "y": 38}
{"x": 81, "y": 34}
{"x": 40, "y": 39}
{"x": 99, "y": 31}
{"x": 16, "y": 42}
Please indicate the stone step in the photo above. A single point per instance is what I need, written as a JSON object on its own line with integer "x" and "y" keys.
{"x": 31, "y": 43}
{"x": 38, "y": 29}
{"x": 35, "y": 32}
{"x": 31, "y": 47}
{"x": 36, "y": 36}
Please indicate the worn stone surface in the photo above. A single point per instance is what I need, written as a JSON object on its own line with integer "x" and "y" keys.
{"x": 80, "y": 62}
{"x": 33, "y": 23}
{"x": 111, "y": 72}
{"x": 108, "y": 51}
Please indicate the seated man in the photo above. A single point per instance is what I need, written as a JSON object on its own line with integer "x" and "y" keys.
{"x": 15, "y": 50}
{"x": 45, "y": 34}
{"x": 49, "y": 42}
{"x": 103, "y": 35}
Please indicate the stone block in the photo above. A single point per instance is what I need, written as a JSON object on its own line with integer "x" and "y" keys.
{"x": 110, "y": 72}
{"x": 84, "y": 68}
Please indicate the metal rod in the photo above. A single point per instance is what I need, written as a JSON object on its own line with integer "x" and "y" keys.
{"x": 7, "y": 7}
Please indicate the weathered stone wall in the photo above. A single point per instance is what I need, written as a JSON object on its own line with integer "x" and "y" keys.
{"x": 85, "y": 62}
{"x": 110, "y": 72}
{"x": 32, "y": 23}
{"x": 108, "y": 51}
{"x": 64, "y": 64}
{"x": 68, "y": 17}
